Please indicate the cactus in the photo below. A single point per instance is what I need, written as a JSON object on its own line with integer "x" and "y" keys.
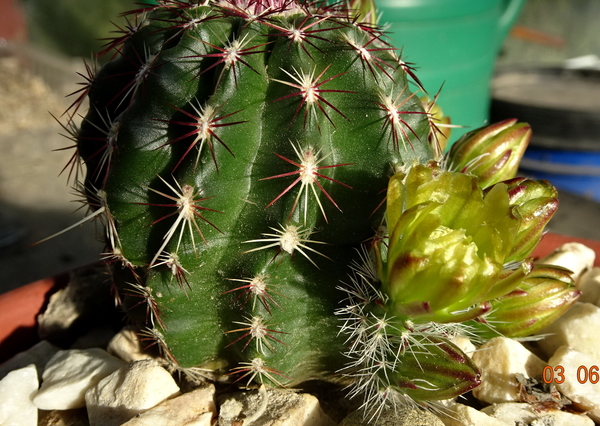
{"x": 238, "y": 155}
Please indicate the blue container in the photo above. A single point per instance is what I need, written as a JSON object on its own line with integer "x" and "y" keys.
{"x": 574, "y": 171}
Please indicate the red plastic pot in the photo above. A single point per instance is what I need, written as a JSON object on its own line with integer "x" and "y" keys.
{"x": 20, "y": 307}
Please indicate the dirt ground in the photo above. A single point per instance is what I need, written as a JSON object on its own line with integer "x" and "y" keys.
{"x": 35, "y": 201}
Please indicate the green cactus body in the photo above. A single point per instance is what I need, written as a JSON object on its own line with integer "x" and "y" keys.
{"x": 247, "y": 160}
{"x": 239, "y": 154}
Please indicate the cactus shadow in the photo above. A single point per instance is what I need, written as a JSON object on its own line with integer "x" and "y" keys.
{"x": 22, "y": 263}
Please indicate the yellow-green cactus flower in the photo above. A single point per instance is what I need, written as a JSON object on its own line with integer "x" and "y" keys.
{"x": 452, "y": 261}
{"x": 448, "y": 243}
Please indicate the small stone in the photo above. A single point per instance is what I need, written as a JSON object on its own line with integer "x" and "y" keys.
{"x": 16, "y": 392}
{"x": 69, "y": 374}
{"x": 576, "y": 375}
{"x": 589, "y": 284}
{"x": 513, "y": 413}
{"x": 39, "y": 355}
{"x": 464, "y": 344}
{"x": 129, "y": 391}
{"x": 83, "y": 304}
{"x": 462, "y": 415}
{"x": 562, "y": 418}
{"x": 577, "y": 328}
{"x": 398, "y": 416}
{"x": 594, "y": 415}
{"x": 500, "y": 360}
{"x": 574, "y": 256}
{"x": 196, "y": 408}
{"x": 127, "y": 346}
{"x": 275, "y": 407}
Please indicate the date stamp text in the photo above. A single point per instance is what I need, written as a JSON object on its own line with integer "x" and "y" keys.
{"x": 585, "y": 374}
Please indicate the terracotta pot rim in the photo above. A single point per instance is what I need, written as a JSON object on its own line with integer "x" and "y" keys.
{"x": 19, "y": 309}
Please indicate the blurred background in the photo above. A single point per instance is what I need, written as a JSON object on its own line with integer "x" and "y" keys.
{"x": 536, "y": 60}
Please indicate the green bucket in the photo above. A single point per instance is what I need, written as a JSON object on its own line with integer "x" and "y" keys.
{"x": 453, "y": 43}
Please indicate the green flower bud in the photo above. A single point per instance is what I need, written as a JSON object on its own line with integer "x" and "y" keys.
{"x": 493, "y": 153}
{"x": 535, "y": 203}
{"x": 393, "y": 358}
{"x": 442, "y": 363}
{"x": 447, "y": 245}
{"x": 543, "y": 296}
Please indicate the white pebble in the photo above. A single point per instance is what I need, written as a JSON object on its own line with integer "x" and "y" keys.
{"x": 196, "y": 408}
{"x": 594, "y": 415}
{"x": 399, "y": 415}
{"x": 462, "y": 415}
{"x": 464, "y": 344}
{"x": 500, "y": 360}
{"x": 39, "y": 354}
{"x": 16, "y": 392}
{"x": 576, "y": 375}
{"x": 69, "y": 374}
{"x": 275, "y": 407}
{"x": 589, "y": 284}
{"x": 577, "y": 328}
{"x": 574, "y": 256}
{"x": 513, "y": 413}
{"x": 129, "y": 391}
{"x": 563, "y": 418}
{"x": 127, "y": 346}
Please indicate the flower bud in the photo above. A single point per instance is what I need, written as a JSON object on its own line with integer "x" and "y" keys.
{"x": 535, "y": 203}
{"x": 493, "y": 153}
{"x": 543, "y": 296}
{"x": 440, "y": 362}
{"x": 364, "y": 10}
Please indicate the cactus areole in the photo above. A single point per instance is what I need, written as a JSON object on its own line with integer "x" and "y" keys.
{"x": 238, "y": 154}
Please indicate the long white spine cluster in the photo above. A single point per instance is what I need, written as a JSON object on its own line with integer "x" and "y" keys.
{"x": 376, "y": 343}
